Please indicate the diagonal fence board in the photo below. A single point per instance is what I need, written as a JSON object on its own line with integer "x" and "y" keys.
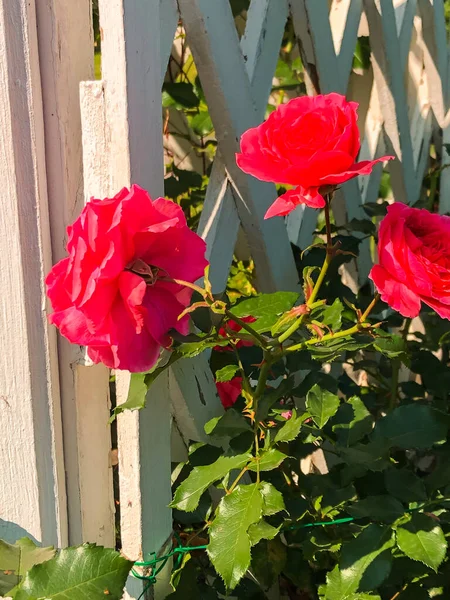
{"x": 214, "y": 43}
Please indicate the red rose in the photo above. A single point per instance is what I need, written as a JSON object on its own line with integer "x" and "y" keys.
{"x": 229, "y": 391}
{"x": 111, "y": 294}
{"x": 233, "y": 326}
{"x": 310, "y": 142}
{"x": 414, "y": 260}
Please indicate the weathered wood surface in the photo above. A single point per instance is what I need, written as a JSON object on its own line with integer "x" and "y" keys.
{"x": 32, "y": 491}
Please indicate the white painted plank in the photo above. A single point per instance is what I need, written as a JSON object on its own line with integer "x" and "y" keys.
{"x": 194, "y": 397}
{"x": 214, "y": 43}
{"x": 32, "y": 494}
{"x": 144, "y": 468}
{"x": 169, "y": 21}
{"x": 326, "y": 62}
{"x": 132, "y": 82}
{"x": 66, "y": 58}
{"x": 386, "y": 61}
{"x": 91, "y": 396}
{"x": 218, "y": 226}
{"x": 260, "y": 47}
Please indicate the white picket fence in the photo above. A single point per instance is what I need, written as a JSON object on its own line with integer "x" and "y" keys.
{"x": 66, "y": 138}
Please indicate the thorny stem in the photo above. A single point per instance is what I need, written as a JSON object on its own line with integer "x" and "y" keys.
{"x": 237, "y": 480}
{"x": 323, "y": 271}
{"x": 245, "y": 382}
{"x": 394, "y": 383}
{"x": 397, "y": 594}
{"x": 247, "y": 328}
{"x": 328, "y": 199}
{"x": 396, "y": 364}
{"x": 326, "y": 338}
{"x": 260, "y": 388}
{"x": 369, "y": 309}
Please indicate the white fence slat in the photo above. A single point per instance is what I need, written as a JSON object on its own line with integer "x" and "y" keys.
{"x": 325, "y": 58}
{"x": 215, "y": 46}
{"x": 32, "y": 493}
{"x": 66, "y": 58}
{"x": 219, "y": 226}
{"x": 260, "y": 46}
{"x": 386, "y": 61}
{"x": 132, "y": 81}
{"x": 194, "y": 397}
{"x": 144, "y": 470}
{"x": 92, "y": 381}
{"x": 168, "y": 10}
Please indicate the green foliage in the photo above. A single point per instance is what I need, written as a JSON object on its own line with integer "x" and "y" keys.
{"x": 188, "y": 494}
{"x": 16, "y": 559}
{"x": 322, "y": 405}
{"x": 230, "y": 539}
{"x": 421, "y": 538}
{"x": 87, "y": 571}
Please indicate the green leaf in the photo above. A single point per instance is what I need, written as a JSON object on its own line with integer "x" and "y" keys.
{"x": 272, "y": 395}
{"x": 265, "y": 308}
{"x": 268, "y": 460}
{"x": 322, "y": 405}
{"x": 377, "y": 508}
{"x": 412, "y": 426}
{"x": 189, "y": 583}
{"x": 201, "y": 123}
{"x": 332, "y": 315}
{"x": 273, "y": 501}
{"x": 393, "y": 346}
{"x": 179, "y": 95}
{"x": 139, "y": 384}
{"x": 404, "y": 485}
{"x": 189, "y": 492}
{"x": 361, "y": 56}
{"x": 136, "y": 395}
{"x": 365, "y": 563}
{"x": 261, "y": 531}
{"x": 375, "y": 209}
{"x": 373, "y": 456}
{"x": 191, "y": 349}
{"x": 231, "y": 423}
{"x": 422, "y": 539}
{"x": 352, "y": 422}
{"x": 361, "y": 225}
{"x": 290, "y": 429}
{"x": 333, "y": 349}
{"x": 268, "y": 561}
{"x": 78, "y": 573}
{"x": 226, "y": 373}
{"x": 19, "y": 558}
{"x": 229, "y": 545}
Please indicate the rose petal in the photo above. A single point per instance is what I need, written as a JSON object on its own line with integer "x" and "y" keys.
{"x": 362, "y": 168}
{"x": 396, "y": 294}
{"x": 289, "y": 201}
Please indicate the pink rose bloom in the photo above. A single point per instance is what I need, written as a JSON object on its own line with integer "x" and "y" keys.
{"x": 233, "y": 326}
{"x": 112, "y": 293}
{"x": 414, "y": 261}
{"x": 229, "y": 391}
{"x": 310, "y": 143}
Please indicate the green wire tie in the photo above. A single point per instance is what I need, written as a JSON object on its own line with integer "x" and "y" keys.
{"x": 178, "y": 551}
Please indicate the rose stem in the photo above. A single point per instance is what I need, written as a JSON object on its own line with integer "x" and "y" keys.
{"x": 323, "y": 271}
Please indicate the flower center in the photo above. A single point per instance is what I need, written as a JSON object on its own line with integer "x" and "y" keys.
{"x": 149, "y": 273}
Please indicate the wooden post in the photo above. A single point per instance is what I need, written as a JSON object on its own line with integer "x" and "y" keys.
{"x": 132, "y": 82}
{"x": 32, "y": 492}
{"x": 66, "y": 51}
